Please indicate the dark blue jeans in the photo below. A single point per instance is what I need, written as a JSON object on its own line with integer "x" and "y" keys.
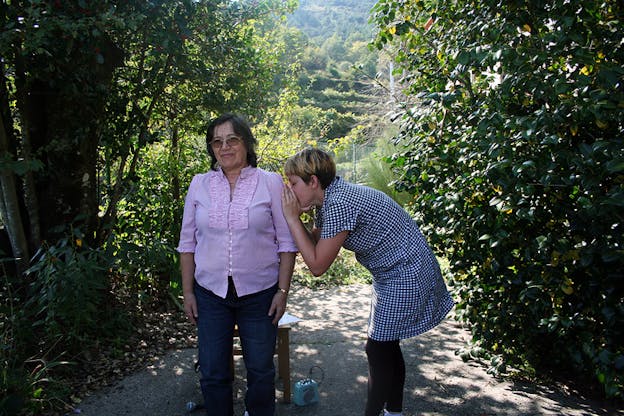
{"x": 215, "y": 331}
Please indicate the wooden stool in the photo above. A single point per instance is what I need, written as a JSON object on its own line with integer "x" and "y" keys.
{"x": 282, "y": 349}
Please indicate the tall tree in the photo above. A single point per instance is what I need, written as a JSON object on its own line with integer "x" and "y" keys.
{"x": 80, "y": 77}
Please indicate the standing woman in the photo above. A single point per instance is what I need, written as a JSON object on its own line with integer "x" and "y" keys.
{"x": 237, "y": 258}
{"x": 409, "y": 296}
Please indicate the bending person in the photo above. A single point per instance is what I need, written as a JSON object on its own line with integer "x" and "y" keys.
{"x": 409, "y": 295}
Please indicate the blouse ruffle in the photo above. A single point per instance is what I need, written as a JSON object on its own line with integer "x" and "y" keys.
{"x": 219, "y": 190}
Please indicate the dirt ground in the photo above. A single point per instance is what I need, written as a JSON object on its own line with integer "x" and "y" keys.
{"x": 331, "y": 335}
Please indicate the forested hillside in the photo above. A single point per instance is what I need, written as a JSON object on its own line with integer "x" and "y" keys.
{"x": 347, "y": 83}
{"x": 320, "y": 20}
{"x": 338, "y": 67}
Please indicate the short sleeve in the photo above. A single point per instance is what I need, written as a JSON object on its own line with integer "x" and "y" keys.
{"x": 337, "y": 217}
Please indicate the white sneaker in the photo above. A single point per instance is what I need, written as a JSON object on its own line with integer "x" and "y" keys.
{"x": 246, "y": 413}
{"x": 387, "y": 413}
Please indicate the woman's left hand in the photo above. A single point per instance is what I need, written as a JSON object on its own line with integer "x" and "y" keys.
{"x": 278, "y": 306}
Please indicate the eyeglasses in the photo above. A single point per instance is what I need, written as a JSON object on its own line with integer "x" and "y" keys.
{"x": 232, "y": 141}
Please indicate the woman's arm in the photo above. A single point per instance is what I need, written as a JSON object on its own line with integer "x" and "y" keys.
{"x": 278, "y": 306}
{"x": 187, "y": 268}
{"x": 318, "y": 254}
{"x": 286, "y": 267}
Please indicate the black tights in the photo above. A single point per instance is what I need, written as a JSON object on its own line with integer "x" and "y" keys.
{"x": 386, "y": 376}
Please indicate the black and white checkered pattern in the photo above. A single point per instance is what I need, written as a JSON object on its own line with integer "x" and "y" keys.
{"x": 409, "y": 294}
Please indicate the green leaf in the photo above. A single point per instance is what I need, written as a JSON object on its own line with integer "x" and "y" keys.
{"x": 614, "y": 166}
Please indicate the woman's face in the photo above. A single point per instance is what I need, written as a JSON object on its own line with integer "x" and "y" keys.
{"x": 229, "y": 148}
{"x": 303, "y": 191}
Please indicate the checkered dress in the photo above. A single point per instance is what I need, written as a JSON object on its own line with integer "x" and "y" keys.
{"x": 409, "y": 294}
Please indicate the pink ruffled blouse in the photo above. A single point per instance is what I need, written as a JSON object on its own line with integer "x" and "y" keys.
{"x": 239, "y": 238}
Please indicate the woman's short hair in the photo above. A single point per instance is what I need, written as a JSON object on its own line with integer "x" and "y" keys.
{"x": 241, "y": 127}
{"x": 312, "y": 161}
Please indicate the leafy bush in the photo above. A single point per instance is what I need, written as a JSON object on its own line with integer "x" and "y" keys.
{"x": 28, "y": 386}
{"x": 345, "y": 270}
{"x": 68, "y": 291}
{"x": 379, "y": 175}
{"x": 516, "y": 162}
{"x": 49, "y": 318}
{"x": 148, "y": 223}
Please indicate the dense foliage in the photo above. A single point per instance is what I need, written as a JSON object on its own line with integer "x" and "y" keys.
{"x": 101, "y": 104}
{"x": 514, "y": 120}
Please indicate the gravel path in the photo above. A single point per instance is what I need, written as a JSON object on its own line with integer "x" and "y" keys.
{"x": 331, "y": 335}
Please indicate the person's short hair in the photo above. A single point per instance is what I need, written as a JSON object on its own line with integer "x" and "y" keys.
{"x": 312, "y": 161}
{"x": 241, "y": 127}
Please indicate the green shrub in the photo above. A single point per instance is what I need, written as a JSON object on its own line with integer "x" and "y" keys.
{"x": 49, "y": 318}
{"x": 516, "y": 162}
{"x": 345, "y": 270}
{"x": 69, "y": 286}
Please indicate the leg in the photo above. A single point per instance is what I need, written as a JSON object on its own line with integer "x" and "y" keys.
{"x": 258, "y": 336}
{"x": 215, "y": 327}
{"x": 395, "y": 395}
{"x": 383, "y": 376}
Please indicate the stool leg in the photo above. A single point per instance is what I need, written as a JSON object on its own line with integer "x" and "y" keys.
{"x": 283, "y": 360}
{"x": 232, "y": 368}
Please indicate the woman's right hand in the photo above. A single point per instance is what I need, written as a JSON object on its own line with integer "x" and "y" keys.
{"x": 190, "y": 307}
{"x": 290, "y": 205}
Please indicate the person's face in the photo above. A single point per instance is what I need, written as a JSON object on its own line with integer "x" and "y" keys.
{"x": 306, "y": 193}
{"x": 228, "y": 147}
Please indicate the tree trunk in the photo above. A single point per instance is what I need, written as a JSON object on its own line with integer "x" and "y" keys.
{"x": 9, "y": 203}
{"x": 63, "y": 118}
{"x": 30, "y": 193}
